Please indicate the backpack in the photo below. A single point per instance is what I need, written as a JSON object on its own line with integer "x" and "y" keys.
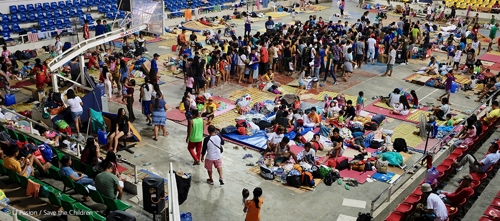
{"x": 308, "y": 179}
{"x": 266, "y": 173}
{"x": 400, "y": 145}
{"x": 19, "y": 55}
{"x": 375, "y": 144}
{"x": 316, "y": 173}
{"x": 241, "y": 123}
{"x": 344, "y": 164}
{"x": 46, "y": 152}
{"x": 229, "y": 129}
{"x": 27, "y": 54}
{"x": 33, "y": 54}
{"x": 66, "y": 46}
{"x": 364, "y": 217}
{"x": 294, "y": 180}
{"x": 264, "y": 124}
{"x": 328, "y": 180}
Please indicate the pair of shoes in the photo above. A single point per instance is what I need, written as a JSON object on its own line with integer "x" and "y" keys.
{"x": 196, "y": 163}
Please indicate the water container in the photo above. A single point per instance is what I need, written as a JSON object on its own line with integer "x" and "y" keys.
{"x": 454, "y": 87}
{"x": 102, "y": 137}
{"x": 10, "y": 99}
{"x": 186, "y": 216}
{"x": 432, "y": 175}
{"x": 101, "y": 87}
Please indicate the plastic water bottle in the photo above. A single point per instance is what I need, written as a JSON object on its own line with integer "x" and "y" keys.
{"x": 432, "y": 175}
{"x": 186, "y": 216}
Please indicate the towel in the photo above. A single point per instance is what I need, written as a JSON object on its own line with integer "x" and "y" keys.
{"x": 33, "y": 189}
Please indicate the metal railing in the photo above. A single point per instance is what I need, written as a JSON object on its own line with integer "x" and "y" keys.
{"x": 80, "y": 144}
{"x": 15, "y": 212}
{"x": 389, "y": 190}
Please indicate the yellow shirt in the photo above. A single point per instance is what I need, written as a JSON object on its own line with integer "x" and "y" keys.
{"x": 210, "y": 108}
{"x": 14, "y": 165}
{"x": 492, "y": 115}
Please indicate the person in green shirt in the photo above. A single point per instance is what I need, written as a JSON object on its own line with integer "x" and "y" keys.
{"x": 492, "y": 35}
{"x": 194, "y": 136}
{"x": 107, "y": 183}
{"x": 108, "y": 29}
{"x": 449, "y": 121}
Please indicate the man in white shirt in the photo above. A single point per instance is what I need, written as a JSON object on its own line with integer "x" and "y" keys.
{"x": 483, "y": 165}
{"x": 429, "y": 12}
{"x": 212, "y": 146}
{"x": 390, "y": 61}
{"x": 274, "y": 139}
{"x": 59, "y": 46}
{"x": 371, "y": 48}
{"x": 435, "y": 208}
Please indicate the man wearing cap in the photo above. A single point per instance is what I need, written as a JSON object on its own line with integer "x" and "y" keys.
{"x": 454, "y": 198}
{"x": 210, "y": 107}
{"x": 483, "y": 165}
{"x": 435, "y": 208}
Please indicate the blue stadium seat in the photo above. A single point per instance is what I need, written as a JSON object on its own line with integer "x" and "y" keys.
{"x": 69, "y": 4}
{"x": 14, "y": 18}
{"x": 46, "y": 6}
{"x": 67, "y": 21}
{"x": 49, "y": 15}
{"x": 57, "y": 14}
{"x": 41, "y": 15}
{"x": 53, "y": 5}
{"x": 59, "y": 22}
{"x": 6, "y": 34}
{"x": 42, "y": 23}
{"x": 5, "y": 19}
{"x": 32, "y": 17}
{"x": 61, "y": 26}
{"x": 13, "y": 9}
{"x": 110, "y": 15}
{"x": 67, "y": 26}
{"x": 23, "y": 18}
{"x": 72, "y": 12}
{"x": 92, "y": 3}
{"x": 76, "y": 3}
{"x": 50, "y": 23}
{"x": 84, "y": 3}
{"x": 16, "y": 28}
{"x": 121, "y": 14}
{"x": 22, "y": 9}
{"x": 30, "y": 7}
{"x": 38, "y": 7}
{"x": 79, "y": 12}
{"x": 61, "y": 4}
{"x": 101, "y": 8}
{"x": 5, "y": 28}
{"x": 64, "y": 13}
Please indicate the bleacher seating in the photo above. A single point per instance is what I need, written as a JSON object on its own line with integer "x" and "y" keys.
{"x": 463, "y": 4}
{"x": 45, "y": 14}
{"x": 408, "y": 205}
{"x": 57, "y": 197}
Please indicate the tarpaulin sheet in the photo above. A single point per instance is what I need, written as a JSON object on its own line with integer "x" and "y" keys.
{"x": 259, "y": 139}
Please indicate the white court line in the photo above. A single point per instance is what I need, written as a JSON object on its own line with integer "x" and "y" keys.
{"x": 428, "y": 95}
{"x": 420, "y": 88}
{"x": 354, "y": 203}
{"x": 346, "y": 218}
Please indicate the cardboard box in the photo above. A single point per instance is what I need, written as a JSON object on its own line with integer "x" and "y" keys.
{"x": 38, "y": 95}
{"x": 382, "y": 58}
{"x": 146, "y": 66}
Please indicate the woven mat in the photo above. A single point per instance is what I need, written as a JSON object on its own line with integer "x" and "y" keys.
{"x": 405, "y": 131}
{"x": 256, "y": 94}
{"x": 317, "y": 8}
{"x": 397, "y": 170}
{"x": 461, "y": 79}
{"x": 321, "y": 95}
{"x": 20, "y": 107}
{"x": 277, "y": 14}
{"x": 415, "y": 116}
{"x": 382, "y": 105}
{"x": 302, "y": 189}
{"x": 225, "y": 119}
{"x": 291, "y": 90}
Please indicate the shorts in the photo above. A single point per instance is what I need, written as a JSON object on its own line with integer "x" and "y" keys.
{"x": 456, "y": 63}
{"x": 206, "y": 114}
{"x": 29, "y": 171}
{"x": 470, "y": 66}
{"x": 76, "y": 115}
{"x": 359, "y": 58}
{"x": 447, "y": 91}
{"x": 241, "y": 69}
{"x": 247, "y": 27}
{"x": 7, "y": 85}
{"x": 216, "y": 163}
{"x": 390, "y": 67}
{"x": 371, "y": 53}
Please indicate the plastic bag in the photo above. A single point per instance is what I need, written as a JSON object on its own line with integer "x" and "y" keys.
{"x": 394, "y": 158}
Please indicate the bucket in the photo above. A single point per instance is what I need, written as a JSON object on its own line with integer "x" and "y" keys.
{"x": 454, "y": 87}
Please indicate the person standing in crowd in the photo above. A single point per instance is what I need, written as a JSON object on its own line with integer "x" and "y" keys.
{"x": 100, "y": 30}
{"x": 360, "y": 52}
{"x": 159, "y": 115}
{"x": 247, "y": 20}
{"x": 108, "y": 29}
{"x": 75, "y": 104}
{"x": 492, "y": 35}
{"x": 390, "y": 62}
{"x": 212, "y": 147}
{"x": 194, "y": 136}
{"x": 59, "y": 46}
{"x": 145, "y": 99}
{"x": 153, "y": 72}
{"x": 86, "y": 30}
{"x": 269, "y": 25}
{"x": 253, "y": 206}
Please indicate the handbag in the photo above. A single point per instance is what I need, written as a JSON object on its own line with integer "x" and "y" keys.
{"x": 382, "y": 166}
{"x": 221, "y": 148}
{"x": 358, "y": 166}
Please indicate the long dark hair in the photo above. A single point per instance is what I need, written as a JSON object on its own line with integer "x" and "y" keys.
{"x": 123, "y": 65}
{"x": 257, "y": 192}
{"x": 157, "y": 99}
{"x": 91, "y": 148}
{"x": 414, "y": 94}
{"x": 71, "y": 94}
{"x": 404, "y": 102}
{"x": 122, "y": 118}
{"x": 110, "y": 158}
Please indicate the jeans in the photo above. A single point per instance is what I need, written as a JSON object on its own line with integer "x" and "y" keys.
{"x": 332, "y": 72}
{"x": 316, "y": 71}
{"x": 86, "y": 181}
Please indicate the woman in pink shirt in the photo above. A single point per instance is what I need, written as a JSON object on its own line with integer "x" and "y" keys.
{"x": 6, "y": 53}
{"x": 189, "y": 84}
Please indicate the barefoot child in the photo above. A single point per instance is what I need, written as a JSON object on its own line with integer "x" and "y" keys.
{"x": 360, "y": 103}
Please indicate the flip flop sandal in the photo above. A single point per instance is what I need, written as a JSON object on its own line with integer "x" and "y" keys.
{"x": 339, "y": 182}
{"x": 250, "y": 164}
{"x": 346, "y": 187}
{"x": 147, "y": 164}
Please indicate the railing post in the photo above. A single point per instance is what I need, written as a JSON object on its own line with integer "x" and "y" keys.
{"x": 31, "y": 127}
{"x": 136, "y": 180}
{"x": 389, "y": 193}
{"x": 372, "y": 209}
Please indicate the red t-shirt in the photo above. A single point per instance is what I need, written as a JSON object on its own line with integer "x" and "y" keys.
{"x": 92, "y": 62}
{"x": 264, "y": 55}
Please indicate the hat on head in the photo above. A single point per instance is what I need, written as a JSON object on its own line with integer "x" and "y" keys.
{"x": 156, "y": 55}
{"x": 426, "y": 188}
